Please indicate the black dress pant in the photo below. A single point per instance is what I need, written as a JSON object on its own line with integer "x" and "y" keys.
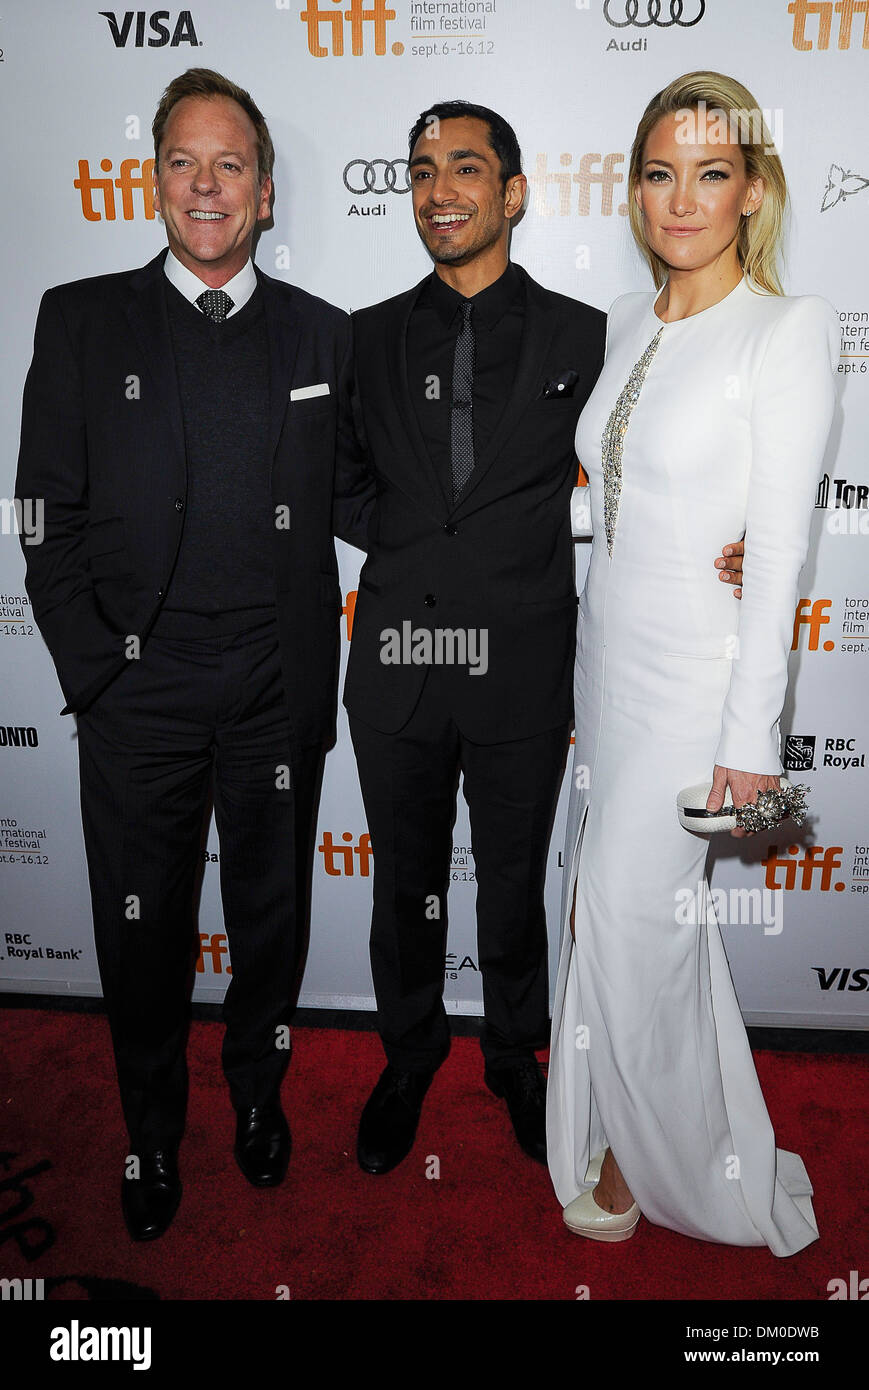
{"x": 409, "y": 782}
{"x": 188, "y": 720}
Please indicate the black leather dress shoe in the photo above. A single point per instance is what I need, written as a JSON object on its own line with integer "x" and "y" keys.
{"x": 387, "y": 1128}
{"x": 521, "y": 1084}
{"x": 150, "y": 1201}
{"x": 262, "y": 1144}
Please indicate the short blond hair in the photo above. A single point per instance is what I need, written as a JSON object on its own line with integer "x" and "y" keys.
{"x": 205, "y": 82}
{"x": 759, "y": 240}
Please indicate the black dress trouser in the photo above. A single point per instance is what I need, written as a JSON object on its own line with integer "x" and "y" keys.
{"x": 409, "y": 781}
{"x": 189, "y": 719}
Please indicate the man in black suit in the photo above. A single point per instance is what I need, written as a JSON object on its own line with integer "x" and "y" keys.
{"x": 469, "y": 387}
{"x": 185, "y": 425}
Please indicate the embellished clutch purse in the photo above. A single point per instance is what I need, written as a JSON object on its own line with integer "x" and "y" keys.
{"x": 767, "y": 811}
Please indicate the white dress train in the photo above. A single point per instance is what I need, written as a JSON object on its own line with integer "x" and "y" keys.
{"x": 725, "y": 425}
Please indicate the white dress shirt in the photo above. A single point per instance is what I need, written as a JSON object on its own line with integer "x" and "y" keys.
{"x": 239, "y": 288}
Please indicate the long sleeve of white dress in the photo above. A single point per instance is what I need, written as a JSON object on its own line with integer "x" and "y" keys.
{"x": 793, "y": 406}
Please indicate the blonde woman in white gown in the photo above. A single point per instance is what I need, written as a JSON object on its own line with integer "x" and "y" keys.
{"x": 711, "y": 414}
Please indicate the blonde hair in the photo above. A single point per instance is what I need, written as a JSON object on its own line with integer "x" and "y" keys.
{"x": 205, "y": 82}
{"x": 759, "y": 240}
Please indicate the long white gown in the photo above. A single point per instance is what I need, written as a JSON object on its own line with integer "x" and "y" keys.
{"x": 725, "y": 433}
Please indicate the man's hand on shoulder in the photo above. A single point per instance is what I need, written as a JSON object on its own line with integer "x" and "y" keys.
{"x": 729, "y": 565}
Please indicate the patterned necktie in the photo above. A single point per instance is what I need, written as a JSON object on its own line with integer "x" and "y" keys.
{"x": 462, "y": 418}
{"x": 216, "y": 304}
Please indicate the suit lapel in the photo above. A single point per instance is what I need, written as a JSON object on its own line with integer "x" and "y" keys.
{"x": 284, "y": 337}
{"x": 396, "y": 335}
{"x": 538, "y": 329}
{"x": 149, "y": 319}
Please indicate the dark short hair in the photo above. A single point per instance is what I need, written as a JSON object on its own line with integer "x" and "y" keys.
{"x": 502, "y": 136}
{"x": 204, "y": 82}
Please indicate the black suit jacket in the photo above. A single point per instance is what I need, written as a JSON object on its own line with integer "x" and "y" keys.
{"x": 502, "y": 558}
{"x": 102, "y": 444}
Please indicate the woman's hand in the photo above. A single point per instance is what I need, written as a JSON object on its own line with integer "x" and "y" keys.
{"x": 744, "y": 787}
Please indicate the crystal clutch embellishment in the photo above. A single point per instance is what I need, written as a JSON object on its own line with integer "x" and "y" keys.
{"x": 613, "y": 439}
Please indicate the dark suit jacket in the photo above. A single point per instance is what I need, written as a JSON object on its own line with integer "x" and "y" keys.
{"x": 110, "y": 467}
{"x": 499, "y": 560}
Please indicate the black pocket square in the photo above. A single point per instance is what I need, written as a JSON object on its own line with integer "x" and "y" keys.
{"x": 560, "y": 387}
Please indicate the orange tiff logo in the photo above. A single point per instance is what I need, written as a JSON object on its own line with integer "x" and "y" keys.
{"x": 812, "y": 616}
{"x": 349, "y": 612}
{"x": 815, "y": 860}
{"x": 357, "y": 15}
{"x": 127, "y": 183}
{"x": 338, "y": 859}
{"x": 845, "y": 9}
{"x": 215, "y": 946}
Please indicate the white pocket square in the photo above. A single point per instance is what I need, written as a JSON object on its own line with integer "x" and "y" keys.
{"x": 304, "y": 393}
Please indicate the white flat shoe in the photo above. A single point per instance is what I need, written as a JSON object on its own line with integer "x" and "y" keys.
{"x": 584, "y": 1217}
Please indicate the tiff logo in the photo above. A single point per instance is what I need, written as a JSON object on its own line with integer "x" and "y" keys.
{"x": 845, "y": 9}
{"x": 332, "y": 853}
{"x": 215, "y": 946}
{"x": 607, "y": 176}
{"x": 23, "y": 516}
{"x": 127, "y": 183}
{"x": 183, "y": 32}
{"x": 349, "y": 611}
{"x": 22, "y": 1290}
{"x": 357, "y": 15}
{"x": 815, "y": 859}
{"x": 812, "y": 616}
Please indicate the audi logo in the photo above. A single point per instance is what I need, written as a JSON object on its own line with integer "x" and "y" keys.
{"x": 368, "y": 174}
{"x": 653, "y": 11}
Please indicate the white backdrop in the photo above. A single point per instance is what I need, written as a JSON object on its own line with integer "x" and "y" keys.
{"x": 340, "y": 84}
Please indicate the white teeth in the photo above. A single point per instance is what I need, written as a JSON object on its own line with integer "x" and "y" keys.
{"x": 440, "y": 217}
{"x": 208, "y": 216}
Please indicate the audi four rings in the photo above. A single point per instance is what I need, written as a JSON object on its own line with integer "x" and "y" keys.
{"x": 370, "y": 179}
{"x": 653, "y": 11}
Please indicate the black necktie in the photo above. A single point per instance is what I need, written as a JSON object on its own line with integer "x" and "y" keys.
{"x": 462, "y": 417}
{"x": 216, "y": 304}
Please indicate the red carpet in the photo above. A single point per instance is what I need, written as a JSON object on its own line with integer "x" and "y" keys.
{"x": 488, "y": 1228}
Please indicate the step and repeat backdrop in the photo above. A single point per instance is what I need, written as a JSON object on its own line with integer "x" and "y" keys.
{"x": 340, "y": 83}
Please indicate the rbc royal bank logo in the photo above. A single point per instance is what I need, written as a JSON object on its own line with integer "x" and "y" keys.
{"x": 361, "y": 17}
{"x": 799, "y": 753}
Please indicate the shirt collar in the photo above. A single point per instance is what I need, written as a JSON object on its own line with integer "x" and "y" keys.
{"x": 490, "y": 305}
{"x": 239, "y": 288}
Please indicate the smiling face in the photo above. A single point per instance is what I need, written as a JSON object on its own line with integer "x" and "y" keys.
{"x": 462, "y": 208}
{"x": 693, "y": 197}
{"x": 207, "y": 186}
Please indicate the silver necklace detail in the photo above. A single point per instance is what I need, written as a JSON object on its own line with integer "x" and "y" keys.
{"x": 612, "y": 442}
